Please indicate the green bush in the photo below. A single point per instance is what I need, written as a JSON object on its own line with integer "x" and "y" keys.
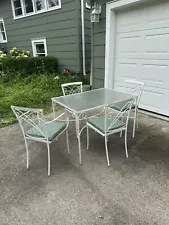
{"x": 25, "y": 66}
{"x": 32, "y": 91}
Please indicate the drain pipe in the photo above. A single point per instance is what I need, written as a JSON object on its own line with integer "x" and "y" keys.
{"x": 83, "y": 37}
{"x": 91, "y": 69}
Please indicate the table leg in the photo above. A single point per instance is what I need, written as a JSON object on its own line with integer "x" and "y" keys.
{"x": 53, "y": 109}
{"x": 78, "y": 138}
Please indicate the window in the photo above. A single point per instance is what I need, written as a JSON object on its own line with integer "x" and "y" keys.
{"x": 23, "y": 8}
{"x": 39, "y": 47}
{"x": 17, "y": 8}
{"x": 3, "y": 37}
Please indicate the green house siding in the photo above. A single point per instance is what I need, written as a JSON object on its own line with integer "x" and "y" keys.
{"x": 61, "y": 28}
{"x": 98, "y": 47}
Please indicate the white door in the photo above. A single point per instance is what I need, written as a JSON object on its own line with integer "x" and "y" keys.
{"x": 142, "y": 52}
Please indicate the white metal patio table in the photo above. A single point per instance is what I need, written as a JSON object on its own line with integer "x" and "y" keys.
{"x": 80, "y": 103}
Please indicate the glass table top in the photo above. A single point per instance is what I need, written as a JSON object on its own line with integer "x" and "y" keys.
{"x": 91, "y": 99}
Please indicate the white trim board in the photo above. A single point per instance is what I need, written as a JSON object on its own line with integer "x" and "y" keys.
{"x": 110, "y": 37}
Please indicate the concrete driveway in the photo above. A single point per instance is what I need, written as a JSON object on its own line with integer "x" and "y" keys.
{"x": 133, "y": 191}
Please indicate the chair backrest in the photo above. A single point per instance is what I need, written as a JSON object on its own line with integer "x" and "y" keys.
{"x": 134, "y": 87}
{"x": 72, "y": 88}
{"x": 118, "y": 116}
{"x": 29, "y": 118}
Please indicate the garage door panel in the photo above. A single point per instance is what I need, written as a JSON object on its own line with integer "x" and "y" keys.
{"x": 152, "y": 44}
{"x": 155, "y": 100}
{"x": 157, "y": 12}
{"x": 148, "y": 56}
{"x": 144, "y": 27}
{"x": 157, "y": 44}
{"x": 155, "y": 74}
{"x": 126, "y": 69}
{"x": 151, "y": 99}
{"x": 128, "y": 45}
{"x": 141, "y": 17}
{"x": 125, "y": 20}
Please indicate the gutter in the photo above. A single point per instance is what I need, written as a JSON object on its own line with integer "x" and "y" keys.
{"x": 83, "y": 37}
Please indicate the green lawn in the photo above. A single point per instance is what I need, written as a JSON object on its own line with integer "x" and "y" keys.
{"x": 34, "y": 91}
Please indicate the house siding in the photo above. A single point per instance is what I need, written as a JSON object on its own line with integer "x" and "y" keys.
{"x": 98, "y": 47}
{"x": 59, "y": 27}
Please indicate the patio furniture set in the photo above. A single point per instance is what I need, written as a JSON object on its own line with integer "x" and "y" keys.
{"x": 103, "y": 110}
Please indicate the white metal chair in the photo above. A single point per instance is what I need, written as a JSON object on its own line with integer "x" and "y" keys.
{"x": 35, "y": 128}
{"x": 109, "y": 123}
{"x": 135, "y": 88}
{"x": 69, "y": 89}
{"x": 72, "y": 88}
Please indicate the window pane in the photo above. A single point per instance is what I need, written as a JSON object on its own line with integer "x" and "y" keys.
{"x": 53, "y": 3}
{"x": 1, "y": 26}
{"x": 40, "y": 48}
{"x": 17, "y": 7}
{"x": 2, "y": 32}
{"x": 18, "y": 12}
{"x": 17, "y": 3}
{"x": 40, "y": 5}
{"x": 28, "y": 6}
{"x": 3, "y": 35}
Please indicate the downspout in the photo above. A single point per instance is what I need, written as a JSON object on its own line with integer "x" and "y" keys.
{"x": 91, "y": 69}
{"x": 83, "y": 37}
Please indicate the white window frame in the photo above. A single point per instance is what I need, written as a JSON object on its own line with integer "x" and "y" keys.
{"x": 2, "y": 21}
{"x": 36, "y": 41}
{"x": 47, "y": 9}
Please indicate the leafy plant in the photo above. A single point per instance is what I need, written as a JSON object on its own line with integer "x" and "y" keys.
{"x": 19, "y": 53}
{"x": 33, "y": 91}
{"x": 2, "y": 55}
{"x": 12, "y": 67}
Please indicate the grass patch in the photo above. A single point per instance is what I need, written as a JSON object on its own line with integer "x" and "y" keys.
{"x": 32, "y": 92}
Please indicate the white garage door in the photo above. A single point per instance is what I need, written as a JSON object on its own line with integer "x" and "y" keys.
{"x": 142, "y": 52}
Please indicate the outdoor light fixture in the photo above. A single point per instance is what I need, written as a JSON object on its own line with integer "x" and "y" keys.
{"x": 95, "y": 13}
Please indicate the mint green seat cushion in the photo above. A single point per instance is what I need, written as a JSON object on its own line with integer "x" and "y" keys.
{"x": 99, "y": 123}
{"x": 119, "y": 106}
{"x": 52, "y": 130}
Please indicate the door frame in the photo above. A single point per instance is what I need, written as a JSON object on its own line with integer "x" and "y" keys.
{"x": 111, "y": 37}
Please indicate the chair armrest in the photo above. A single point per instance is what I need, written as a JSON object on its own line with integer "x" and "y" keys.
{"x": 55, "y": 119}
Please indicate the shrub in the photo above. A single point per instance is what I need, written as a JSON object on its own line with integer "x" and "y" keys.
{"x": 25, "y": 66}
{"x": 19, "y": 53}
{"x": 32, "y": 91}
{"x": 2, "y": 55}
